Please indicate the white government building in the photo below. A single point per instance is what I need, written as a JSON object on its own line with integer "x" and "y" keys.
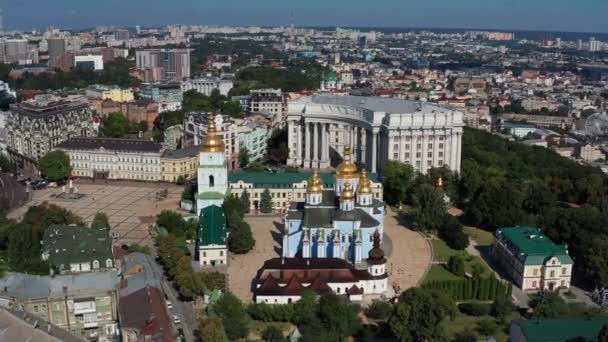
{"x": 379, "y": 129}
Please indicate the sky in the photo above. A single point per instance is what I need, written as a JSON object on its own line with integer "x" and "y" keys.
{"x": 545, "y": 15}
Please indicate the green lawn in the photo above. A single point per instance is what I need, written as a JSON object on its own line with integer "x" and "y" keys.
{"x": 439, "y": 272}
{"x": 442, "y": 253}
{"x": 464, "y": 322}
{"x": 482, "y": 237}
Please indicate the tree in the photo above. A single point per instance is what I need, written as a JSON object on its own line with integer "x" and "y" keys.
{"x": 232, "y": 312}
{"x": 212, "y": 330}
{"x": 6, "y": 165}
{"x": 277, "y": 148}
{"x": 273, "y": 334}
{"x": 174, "y": 223}
{"x": 256, "y": 166}
{"x": 418, "y": 315}
{"x": 246, "y": 201}
{"x": 548, "y": 305}
{"x": 397, "y": 180}
{"x": 487, "y": 327}
{"x": 456, "y": 265}
{"x": 266, "y": 202}
{"x": 603, "y": 334}
{"x": 114, "y": 125}
{"x": 453, "y": 234}
{"x": 101, "y": 221}
{"x": 243, "y": 157}
{"x": 240, "y": 240}
{"x": 142, "y": 126}
{"x": 338, "y": 317}
{"x": 502, "y": 307}
{"x": 430, "y": 209}
{"x": 213, "y": 280}
{"x": 379, "y": 310}
{"x": 55, "y": 165}
{"x": 181, "y": 180}
{"x": 304, "y": 309}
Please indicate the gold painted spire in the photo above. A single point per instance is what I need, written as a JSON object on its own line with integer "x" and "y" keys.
{"x": 347, "y": 192}
{"x": 365, "y": 185}
{"x": 440, "y": 182}
{"x": 315, "y": 184}
{"x": 347, "y": 169}
{"x": 213, "y": 142}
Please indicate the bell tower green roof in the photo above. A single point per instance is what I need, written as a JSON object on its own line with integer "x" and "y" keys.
{"x": 211, "y": 226}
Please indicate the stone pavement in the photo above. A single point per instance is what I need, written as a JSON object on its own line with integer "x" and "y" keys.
{"x": 242, "y": 269}
{"x": 411, "y": 255}
{"x": 131, "y": 206}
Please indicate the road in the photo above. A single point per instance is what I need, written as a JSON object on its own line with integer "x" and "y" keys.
{"x": 183, "y": 309}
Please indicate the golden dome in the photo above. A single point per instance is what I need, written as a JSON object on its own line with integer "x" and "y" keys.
{"x": 365, "y": 185}
{"x": 315, "y": 185}
{"x": 213, "y": 142}
{"x": 347, "y": 169}
{"x": 440, "y": 182}
{"x": 347, "y": 192}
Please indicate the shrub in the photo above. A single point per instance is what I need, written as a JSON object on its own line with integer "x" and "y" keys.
{"x": 379, "y": 310}
{"x": 456, "y": 265}
{"x": 474, "y": 309}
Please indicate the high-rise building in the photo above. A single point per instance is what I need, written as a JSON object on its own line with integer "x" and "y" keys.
{"x": 17, "y": 51}
{"x": 579, "y": 44}
{"x": 174, "y": 63}
{"x": 1, "y": 21}
{"x": 56, "y": 49}
{"x": 594, "y": 45}
{"x": 558, "y": 42}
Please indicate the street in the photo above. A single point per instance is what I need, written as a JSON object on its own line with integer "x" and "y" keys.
{"x": 183, "y": 309}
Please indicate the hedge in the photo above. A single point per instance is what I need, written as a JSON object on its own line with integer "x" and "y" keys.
{"x": 484, "y": 289}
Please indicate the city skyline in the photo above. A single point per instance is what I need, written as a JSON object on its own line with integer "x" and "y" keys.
{"x": 469, "y": 14}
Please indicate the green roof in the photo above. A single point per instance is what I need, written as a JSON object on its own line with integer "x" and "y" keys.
{"x": 531, "y": 246}
{"x": 282, "y": 179}
{"x": 211, "y": 195}
{"x": 558, "y": 330}
{"x": 76, "y": 244}
{"x": 212, "y": 226}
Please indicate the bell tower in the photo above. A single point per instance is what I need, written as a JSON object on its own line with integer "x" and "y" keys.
{"x": 212, "y": 169}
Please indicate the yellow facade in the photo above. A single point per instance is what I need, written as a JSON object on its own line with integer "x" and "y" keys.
{"x": 118, "y": 95}
{"x": 171, "y": 169}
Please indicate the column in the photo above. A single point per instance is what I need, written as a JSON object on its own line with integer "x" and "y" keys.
{"x": 308, "y": 150}
{"x": 363, "y": 146}
{"x": 324, "y": 145}
{"x": 299, "y": 137}
{"x": 424, "y": 158}
{"x": 453, "y": 151}
{"x": 459, "y": 150}
{"x": 315, "y": 158}
{"x": 435, "y": 149}
{"x": 374, "y": 150}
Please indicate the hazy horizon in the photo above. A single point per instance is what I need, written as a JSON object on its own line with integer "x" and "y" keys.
{"x": 537, "y": 15}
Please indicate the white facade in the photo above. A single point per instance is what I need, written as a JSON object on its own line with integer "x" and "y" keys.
{"x": 96, "y": 60}
{"x": 206, "y": 85}
{"x": 254, "y": 138}
{"x": 213, "y": 255}
{"x": 378, "y": 129}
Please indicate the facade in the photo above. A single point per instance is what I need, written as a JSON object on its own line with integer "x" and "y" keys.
{"x": 285, "y": 187}
{"x": 253, "y": 136}
{"x": 206, "y": 85}
{"x": 114, "y": 158}
{"x": 89, "y": 62}
{"x": 18, "y": 51}
{"x": 56, "y": 50}
{"x": 76, "y": 249}
{"x": 196, "y": 125}
{"x": 590, "y": 153}
{"x": 182, "y": 162}
{"x": 83, "y": 304}
{"x": 470, "y": 84}
{"x": 331, "y": 81}
{"x": 533, "y": 261}
{"x": 283, "y": 280}
{"x": 169, "y": 96}
{"x": 212, "y": 248}
{"x": 337, "y": 223}
{"x": 378, "y": 129}
{"x": 115, "y": 94}
{"x": 36, "y": 126}
{"x": 267, "y": 101}
{"x": 174, "y": 64}
{"x": 518, "y": 130}
{"x": 563, "y": 122}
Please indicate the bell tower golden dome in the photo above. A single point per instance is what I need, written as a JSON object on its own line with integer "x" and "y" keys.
{"x": 365, "y": 185}
{"x": 315, "y": 184}
{"x": 347, "y": 169}
{"x": 213, "y": 141}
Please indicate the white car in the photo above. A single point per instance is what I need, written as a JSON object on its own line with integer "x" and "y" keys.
{"x": 176, "y": 319}
{"x": 169, "y": 305}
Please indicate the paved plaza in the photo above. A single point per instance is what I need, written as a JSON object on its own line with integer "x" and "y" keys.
{"x": 409, "y": 258}
{"x": 131, "y": 206}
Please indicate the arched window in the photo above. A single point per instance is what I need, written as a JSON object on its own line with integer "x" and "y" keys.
{"x": 211, "y": 181}
{"x": 95, "y": 264}
{"x": 109, "y": 263}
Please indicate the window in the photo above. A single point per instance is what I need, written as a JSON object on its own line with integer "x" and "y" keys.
{"x": 396, "y": 147}
{"x": 430, "y": 146}
{"x": 552, "y": 274}
{"x": 564, "y": 270}
{"x": 418, "y": 154}
{"x": 35, "y": 308}
{"x": 563, "y": 283}
{"x": 221, "y": 253}
{"x": 95, "y": 264}
{"x": 407, "y": 156}
{"x": 429, "y": 154}
{"x": 407, "y": 146}
{"x": 211, "y": 181}
{"x": 534, "y": 284}
{"x": 395, "y": 155}
{"x": 109, "y": 263}
{"x": 418, "y": 146}
{"x": 440, "y": 145}
{"x": 204, "y": 254}
{"x": 535, "y": 272}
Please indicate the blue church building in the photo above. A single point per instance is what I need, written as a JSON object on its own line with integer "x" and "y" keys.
{"x": 335, "y": 223}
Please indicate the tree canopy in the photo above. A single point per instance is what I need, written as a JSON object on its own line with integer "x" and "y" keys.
{"x": 55, "y": 165}
{"x": 397, "y": 179}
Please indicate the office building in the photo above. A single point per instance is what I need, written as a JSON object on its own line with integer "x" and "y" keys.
{"x": 174, "y": 64}
{"x": 83, "y": 304}
{"x": 253, "y": 136}
{"x": 38, "y": 125}
{"x": 206, "y": 85}
{"x": 181, "y": 162}
{"x": 18, "y": 51}
{"x": 594, "y": 45}
{"x": 267, "y": 101}
{"x": 114, "y": 158}
{"x": 56, "y": 50}
{"x": 169, "y": 96}
{"x": 377, "y": 129}
{"x": 89, "y": 62}
{"x": 531, "y": 259}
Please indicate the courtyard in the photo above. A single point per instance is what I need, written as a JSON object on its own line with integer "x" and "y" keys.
{"x": 408, "y": 254}
{"x": 131, "y": 206}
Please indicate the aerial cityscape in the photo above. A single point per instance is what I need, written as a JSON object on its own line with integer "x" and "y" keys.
{"x": 344, "y": 171}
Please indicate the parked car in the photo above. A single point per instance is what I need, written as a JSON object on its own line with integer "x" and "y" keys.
{"x": 176, "y": 319}
{"x": 169, "y": 305}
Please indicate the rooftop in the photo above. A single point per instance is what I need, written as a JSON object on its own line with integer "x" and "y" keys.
{"x": 182, "y": 153}
{"x": 557, "y": 330}
{"x": 72, "y": 244}
{"x": 112, "y": 144}
{"x": 373, "y": 103}
{"x": 212, "y": 227}
{"x": 530, "y": 243}
{"x": 283, "y": 179}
